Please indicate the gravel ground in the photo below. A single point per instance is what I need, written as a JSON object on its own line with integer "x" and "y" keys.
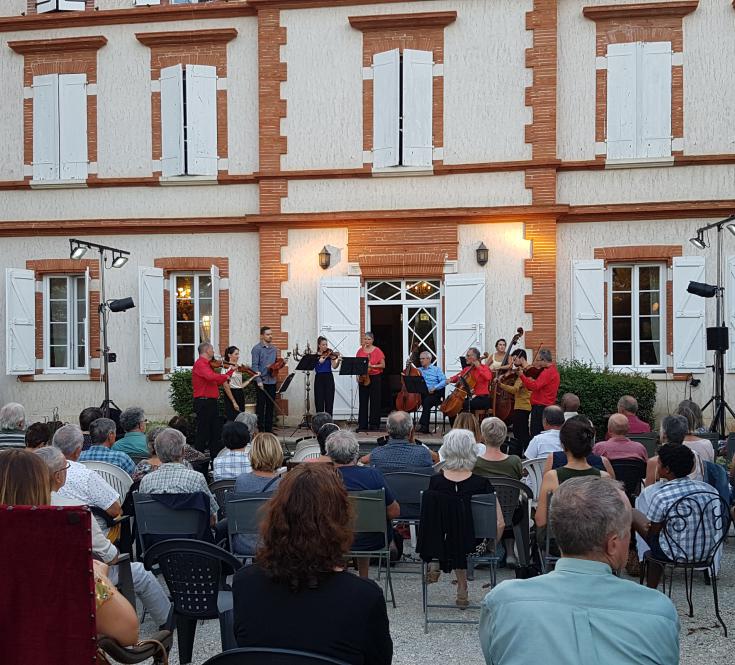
{"x": 701, "y": 638}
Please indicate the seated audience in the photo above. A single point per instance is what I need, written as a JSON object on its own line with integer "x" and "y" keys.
{"x": 321, "y": 437}
{"x": 86, "y": 418}
{"x": 674, "y": 429}
{"x": 570, "y": 405}
{"x": 300, "y": 572}
{"x": 469, "y": 421}
{"x": 577, "y": 436}
{"x": 699, "y": 427}
{"x": 233, "y": 459}
{"x": 344, "y": 449}
{"x": 617, "y": 445}
{"x": 12, "y": 426}
{"x": 547, "y": 441}
{"x": 149, "y": 591}
{"x": 152, "y": 463}
{"x": 133, "y": 421}
{"x": 24, "y": 481}
{"x": 194, "y": 457}
{"x": 456, "y": 480}
{"x": 400, "y": 453}
{"x": 37, "y": 435}
{"x": 102, "y": 433}
{"x": 494, "y": 462}
{"x": 172, "y": 477}
{"x": 628, "y": 406}
{"x": 251, "y": 422}
{"x": 674, "y": 465}
{"x": 703, "y": 447}
{"x": 581, "y": 612}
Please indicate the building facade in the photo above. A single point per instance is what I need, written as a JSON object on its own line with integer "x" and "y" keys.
{"x": 226, "y": 144}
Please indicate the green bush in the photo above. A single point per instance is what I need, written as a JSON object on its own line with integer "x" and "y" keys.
{"x": 181, "y": 394}
{"x": 600, "y": 390}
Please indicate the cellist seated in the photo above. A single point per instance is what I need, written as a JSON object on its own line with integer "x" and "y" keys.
{"x": 435, "y": 383}
{"x": 478, "y": 377}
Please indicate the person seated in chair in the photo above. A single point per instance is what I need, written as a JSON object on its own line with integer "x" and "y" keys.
{"x": 133, "y": 421}
{"x": 547, "y": 441}
{"x": 102, "y": 432}
{"x": 400, "y": 453}
{"x": 617, "y": 445}
{"x": 12, "y": 426}
{"x": 493, "y": 461}
{"x": 38, "y": 435}
{"x": 86, "y": 418}
{"x": 234, "y": 458}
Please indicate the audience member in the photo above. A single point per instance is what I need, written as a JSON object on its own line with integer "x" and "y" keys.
{"x": 457, "y": 481}
{"x": 674, "y": 429}
{"x": 703, "y": 447}
{"x": 37, "y": 435}
{"x": 133, "y": 421}
{"x": 344, "y": 449}
{"x": 300, "y": 572}
{"x": 251, "y": 422}
{"x": 324, "y": 431}
{"x": 469, "y": 421}
{"x": 570, "y": 405}
{"x": 320, "y": 419}
{"x": 12, "y": 426}
{"x": 617, "y": 445}
{"x": 494, "y": 462}
{"x": 194, "y": 457}
{"x": 233, "y": 459}
{"x": 547, "y": 441}
{"x": 152, "y": 463}
{"x": 628, "y": 406}
{"x": 86, "y": 418}
{"x": 102, "y": 432}
{"x": 401, "y": 453}
{"x": 581, "y": 612}
{"x": 699, "y": 427}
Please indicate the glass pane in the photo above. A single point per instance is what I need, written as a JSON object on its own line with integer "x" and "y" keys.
{"x": 622, "y": 353}
{"x": 80, "y": 334}
{"x": 57, "y": 288}
{"x": 422, "y": 329}
{"x": 648, "y": 303}
{"x": 205, "y": 286}
{"x": 57, "y": 334}
{"x": 423, "y": 290}
{"x": 622, "y": 329}
{"x": 621, "y": 304}
{"x": 185, "y": 333}
{"x": 621, "y": 279}
{"x": 205, "y": 329}
{"x": 81, "y": 358}
{"x": 57, "y": 311}
{"x": 384, "y": 290}
{"x": 648, "y": 278}
{"x": 184, "y": 286}
{"x": 650, "y": 353}
{"x": 184, "y": 310}
{"x": 185, "y": 356}
{"x": 649, "y": 328}
{"x": 58, "y": 356}
{"x": 205, "y": 308}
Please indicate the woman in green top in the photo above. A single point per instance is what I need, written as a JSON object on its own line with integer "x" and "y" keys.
{"x": 494, "y": 462}
{"x": 577, "y": 437}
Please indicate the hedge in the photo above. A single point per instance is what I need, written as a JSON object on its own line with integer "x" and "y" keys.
{"x": 600, "y": 390}
{"x": 181, "y": 394}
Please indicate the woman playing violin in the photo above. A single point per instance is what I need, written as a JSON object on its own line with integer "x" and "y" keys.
{"x": 481, "y": 376}
{"x": 324, "y": 380}
{"x": 235, "y": 389}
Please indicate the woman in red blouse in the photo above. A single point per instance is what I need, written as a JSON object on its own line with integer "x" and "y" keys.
{"x": 369, "y": 395}
{"x": 483, "y": 376}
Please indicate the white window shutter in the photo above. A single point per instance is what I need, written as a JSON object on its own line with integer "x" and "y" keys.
{"x": 588, "y": 306}
{"x": 654, "y": 99}
{"x": 73, "y": 126}
{"x": 72, "y": 5}
{"x": 214, "y": 324}
{"x": 621, "y": 101}
{"x": 46, "y": 127}
{"x": 152, "y": 333}
{"x": 147, "y": 2}
{"x": 464, "y": 309}
{"x": 20, "y": 318}
{"x": 730, "y": 314}
{"x": 43, "y": 6}
{"x": 689, "y": 316}
{"x": 418, "y": 95}
{"x": 172, "y": 120}
{"x": 386, "y": 108}
{"x": 87, "y": 287}
{"x": 201, "y": 120}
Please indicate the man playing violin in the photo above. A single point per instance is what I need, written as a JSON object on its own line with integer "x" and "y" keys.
{"x": 206, "y": 382}
{"x": 263, "y": 355}
{"x": 481, "y": 376}
{"x": 543, "y": 388}
{"x": 435, "y": 383}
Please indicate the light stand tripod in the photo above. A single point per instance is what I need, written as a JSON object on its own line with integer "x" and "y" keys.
{"x": 307, "y": 364}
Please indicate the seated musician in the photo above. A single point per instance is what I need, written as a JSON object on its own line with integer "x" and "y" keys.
{"x": 480, "y": 375}
{"x": 435, "y": 382}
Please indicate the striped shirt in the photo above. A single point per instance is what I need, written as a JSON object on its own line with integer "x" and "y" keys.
{"x": 12, "y": 439}
{"x": 104, "y": 454}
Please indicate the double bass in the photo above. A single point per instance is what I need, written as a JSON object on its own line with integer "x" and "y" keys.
{"x": 406, "y": 401}
{"x": 503, "y": 401}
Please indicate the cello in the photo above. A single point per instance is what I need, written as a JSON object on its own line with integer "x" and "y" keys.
{"x": 503, "y": 401}
{"x": 406, "y": 401}
{"x": 453, "y": 404}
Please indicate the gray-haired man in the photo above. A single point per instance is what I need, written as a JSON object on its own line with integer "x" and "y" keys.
{"x": 543, "y": 388}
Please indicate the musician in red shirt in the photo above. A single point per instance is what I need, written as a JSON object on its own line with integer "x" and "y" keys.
{"x": 482, "y": 375}
{"x": 543, "y": 388}
{"x": 206, "y": 382}
{"x": 369, "y": 395}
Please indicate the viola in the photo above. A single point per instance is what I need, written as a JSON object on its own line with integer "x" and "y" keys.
{"x": 406, "y": 401}
{"x": 364, "y": 379}
{"x": 277, "y": 365}
{"x": 503, "y": 401}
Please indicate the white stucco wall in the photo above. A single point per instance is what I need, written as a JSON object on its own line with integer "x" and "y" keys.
{"x": 389, "y": 193}
{"x": 127, "y": 386}
{"x": 13, "y": 7}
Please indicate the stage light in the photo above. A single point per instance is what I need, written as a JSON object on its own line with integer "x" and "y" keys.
{"x": 731, "y": 227}
{"x": 698, "y": 241}
{"x": 702, "y": 289}
{"x": 119, "y": 261}
{"x": 121, "y": 305}
{"x": 77, "y": 251}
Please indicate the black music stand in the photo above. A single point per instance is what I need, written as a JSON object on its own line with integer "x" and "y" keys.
{"x": 307, "y": 364}
{"x": 279, "y": 393}
{"x": 353, "y": 366}
{"x": 416, "y": 384}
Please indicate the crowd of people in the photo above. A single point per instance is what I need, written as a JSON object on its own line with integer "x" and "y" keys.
{"x": 300, "y": 558}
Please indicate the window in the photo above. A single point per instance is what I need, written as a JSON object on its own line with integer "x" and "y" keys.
{"x": 402, "y": 108}
{"x": 60, "y": 127}
{"x": 193, "y": 316}
{"x": 639, "y": 100}
{"x": 54, "y": 5}
{"x": 637, "y": 321}
{"x": 66, "y": 330}
{"x": 189, "y": 120}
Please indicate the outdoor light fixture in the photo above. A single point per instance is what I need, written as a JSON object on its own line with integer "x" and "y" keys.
{"x": 699, "y": 241}
{"x": 119, "y": 261}
{"x": 325, "y": 258}
{"x": 731, "y": 227}
{"x": 481, "y": 254}
{"x": 76, "y": 250}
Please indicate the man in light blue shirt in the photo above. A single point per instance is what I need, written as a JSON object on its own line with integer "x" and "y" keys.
{"x": 435, "y": 382}
{"x": 581, "y": 613}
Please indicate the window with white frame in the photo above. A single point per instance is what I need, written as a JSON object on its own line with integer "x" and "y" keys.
{"x": 193, "y": 315}
{"x": 66, "y": 323}
{"x": 402, "y": 108}
{"x": 59, "y": 5}
{"x": 60, "y": 127}
{"x": 636, "y": 315}
{"x": 639, "y": 100}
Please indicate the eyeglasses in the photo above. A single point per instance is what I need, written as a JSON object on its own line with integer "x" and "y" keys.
{"x": 64, "y": 468}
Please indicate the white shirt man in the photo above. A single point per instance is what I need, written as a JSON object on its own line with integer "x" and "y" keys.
{"x": 547, "y": 441}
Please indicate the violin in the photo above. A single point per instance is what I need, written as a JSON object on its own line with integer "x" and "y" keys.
{"x": 277, "y": 365}
{"x": 218, "y": 363}
{"x": 332, "y": 355}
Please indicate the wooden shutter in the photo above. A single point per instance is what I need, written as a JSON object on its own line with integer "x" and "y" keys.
{"x": 689, "y": 316}
{"x": 201, "y": 120}
{"x": 43, "y": 6}
{"x": 46, "y": 127}
{"x": 588, "y": 307}
{"x": 214, "y": 323}
{"x": 654, "y": 99}
{"x": 172, "y": 120}
{"x": 73, "y": 126}
{"x": 621, "y": 101}
{"x": 386, "y": 108}
{"x": 152, "y": 332}
{"x": 72, "y": 5}
{"x": 418, "y": 88}
{"x": 20, "y": 321}
{"x": 464, "y": 308}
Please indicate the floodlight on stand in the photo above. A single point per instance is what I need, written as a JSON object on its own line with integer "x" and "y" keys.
{"x": 698, "y": 241}
{"x": 731, "y": 227}
{"x": 121, "y": 305}
{"x": 119, "y": 260}
{"x": 701, "y": 289}
{"x": 77, "y": 250}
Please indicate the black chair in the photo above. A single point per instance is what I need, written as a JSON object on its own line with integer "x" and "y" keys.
{"x": 649, "y": 441}
{"x": 514, "y": 497}
{"x": 260, "y": 655}
{"x": 195, "y": 574}
{"x": 705, "y": 519}
{"x": 630, "y": 472}
{"x": 220, "y": 488}
{"x": 245, "y": 514}
{"x": 548, "y": 560}
{"x": 730, "y": 447}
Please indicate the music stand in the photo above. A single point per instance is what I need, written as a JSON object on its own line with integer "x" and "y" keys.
{"x": 282, "y": 389}
{"x": 353, "y": 366}
{"x": 463, "y": 361}
{"x": 416, "y": 384}
{"x": 307, "y": 364}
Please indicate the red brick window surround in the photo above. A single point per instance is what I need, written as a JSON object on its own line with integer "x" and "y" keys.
{"x": 72, "y": 55}
{"x": 419, "y": 31}
{"x": 191, "y": 47}
{"x": 643, "y": 22}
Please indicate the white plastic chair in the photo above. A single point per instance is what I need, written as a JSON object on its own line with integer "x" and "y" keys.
{"x": 535, "y": 469}
{"x": 307, "y": 452}
{"x": 114, "y": 475}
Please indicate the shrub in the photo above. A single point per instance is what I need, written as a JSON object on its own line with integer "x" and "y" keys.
{"x": 181, "y": 394}
{"x": 600, "y": 390}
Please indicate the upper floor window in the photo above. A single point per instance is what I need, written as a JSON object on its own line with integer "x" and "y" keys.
{"x": 61, "y": 5}
{"x": 193, "y": 316}
{"x": 66, "y": 323}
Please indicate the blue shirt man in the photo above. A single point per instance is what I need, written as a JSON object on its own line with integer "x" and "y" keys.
{"x": 436, "y": 381}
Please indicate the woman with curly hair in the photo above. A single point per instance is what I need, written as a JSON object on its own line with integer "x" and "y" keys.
{"x": 300, "y": 572}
